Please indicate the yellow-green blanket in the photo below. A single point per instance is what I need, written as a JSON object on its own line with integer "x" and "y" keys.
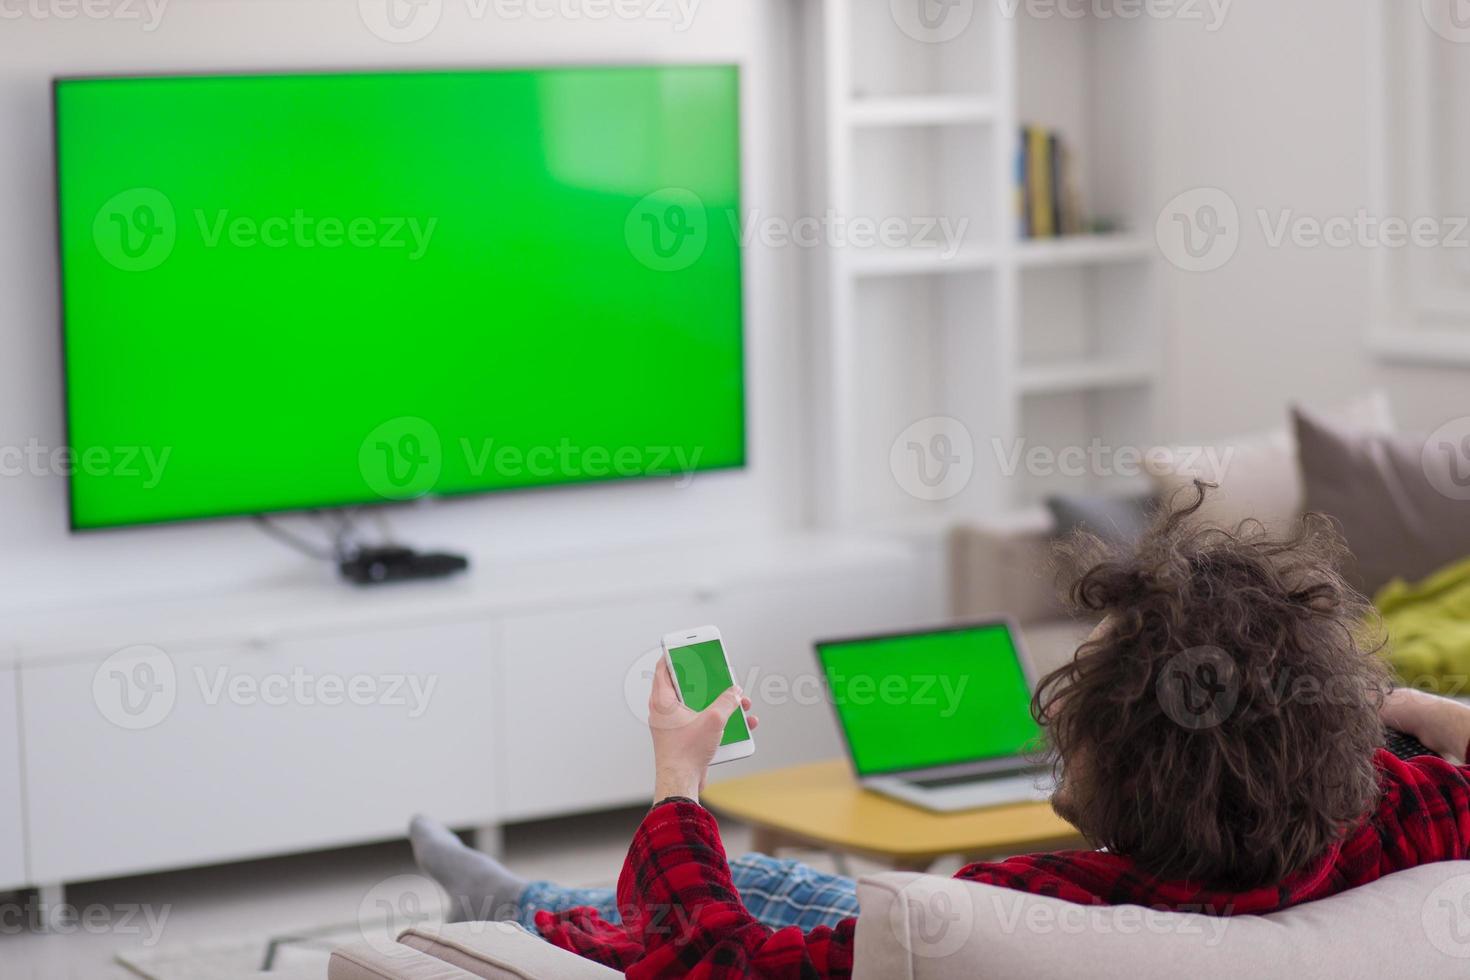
{"x": 1428, "y": 627}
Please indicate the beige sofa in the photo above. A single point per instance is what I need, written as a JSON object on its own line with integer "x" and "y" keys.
{"x": 1413, "y": 925}
{"x": 1003, "y": 565}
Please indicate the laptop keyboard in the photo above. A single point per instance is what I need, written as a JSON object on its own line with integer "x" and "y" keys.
{"x": 939, "y": 782}
{"x": 1405, "y": 746}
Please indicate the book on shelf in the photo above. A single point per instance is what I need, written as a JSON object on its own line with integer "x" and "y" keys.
{"x": 1047, "y": 203}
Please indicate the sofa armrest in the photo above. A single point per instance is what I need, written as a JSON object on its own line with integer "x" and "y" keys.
{"x": 388, "y": 961}
{"x": 1004, "y": 566}
{"x": 501, "y": 951}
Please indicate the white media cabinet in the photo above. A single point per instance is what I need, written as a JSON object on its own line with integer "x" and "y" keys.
{"x": 534, "y": 710}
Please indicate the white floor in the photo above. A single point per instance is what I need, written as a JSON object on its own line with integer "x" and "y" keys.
{"x": 212, "y": 905}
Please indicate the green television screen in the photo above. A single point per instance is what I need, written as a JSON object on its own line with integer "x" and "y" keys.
{"x": 286, "y": 292}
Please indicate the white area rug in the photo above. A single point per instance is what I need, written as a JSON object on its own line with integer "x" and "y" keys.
{"x": 301, "y": 956}
{"x": 385, "y": 911}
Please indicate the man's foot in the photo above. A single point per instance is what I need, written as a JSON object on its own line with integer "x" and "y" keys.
{"x": 480, "y": 888}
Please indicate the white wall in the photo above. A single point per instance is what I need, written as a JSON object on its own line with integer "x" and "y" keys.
{"x": 40, "y": 563}
{"x": 1274, "y": 109}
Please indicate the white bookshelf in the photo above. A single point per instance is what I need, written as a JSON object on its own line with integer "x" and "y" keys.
{"x": 1084, "y": 375}
{"x": 1051, "y": 341}
{"x": 1084, "y": 249}
{"x": 915, "y": 262}
{"x": 920, "y": 110}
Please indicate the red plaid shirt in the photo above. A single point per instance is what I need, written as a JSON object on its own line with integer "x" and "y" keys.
{"x": 682, "y": 916}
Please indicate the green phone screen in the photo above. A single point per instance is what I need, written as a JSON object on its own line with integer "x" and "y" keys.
{"x": 703, "y": 675}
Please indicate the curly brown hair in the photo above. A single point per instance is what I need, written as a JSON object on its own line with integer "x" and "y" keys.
{"x": 1220, "y": 724}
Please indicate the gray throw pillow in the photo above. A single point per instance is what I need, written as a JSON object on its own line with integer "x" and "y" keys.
{"x": 1381, "y": 489}
{"x": 1117, "y": 520}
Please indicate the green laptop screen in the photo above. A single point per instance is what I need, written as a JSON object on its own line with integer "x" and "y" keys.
{"x": 930, "y": 699}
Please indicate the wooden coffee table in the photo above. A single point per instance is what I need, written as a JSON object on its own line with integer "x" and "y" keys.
{"x": 821, "y": 805}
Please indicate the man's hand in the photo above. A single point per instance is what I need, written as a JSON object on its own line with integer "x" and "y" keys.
{"x": 684, "y": 741}
{"x": 1441, "y": 724}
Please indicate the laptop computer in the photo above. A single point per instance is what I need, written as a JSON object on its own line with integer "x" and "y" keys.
{"x": 940, "y": 718}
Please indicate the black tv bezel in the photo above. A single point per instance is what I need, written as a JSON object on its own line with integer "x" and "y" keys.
{"x": 566, "y": 486}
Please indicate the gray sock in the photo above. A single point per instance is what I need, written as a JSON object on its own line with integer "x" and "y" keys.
{"x": 480, "y": 888}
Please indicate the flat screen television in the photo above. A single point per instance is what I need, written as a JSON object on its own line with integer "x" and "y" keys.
{"x": 289, "y": 292}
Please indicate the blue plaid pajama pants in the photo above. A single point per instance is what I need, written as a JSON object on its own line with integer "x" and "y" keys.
{"x": 779, "y": 893}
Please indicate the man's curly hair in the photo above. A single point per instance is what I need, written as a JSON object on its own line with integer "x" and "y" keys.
{"x": 1220, "y": 726}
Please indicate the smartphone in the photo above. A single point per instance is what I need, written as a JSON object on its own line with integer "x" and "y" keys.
{"x": 701, "y": 671}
